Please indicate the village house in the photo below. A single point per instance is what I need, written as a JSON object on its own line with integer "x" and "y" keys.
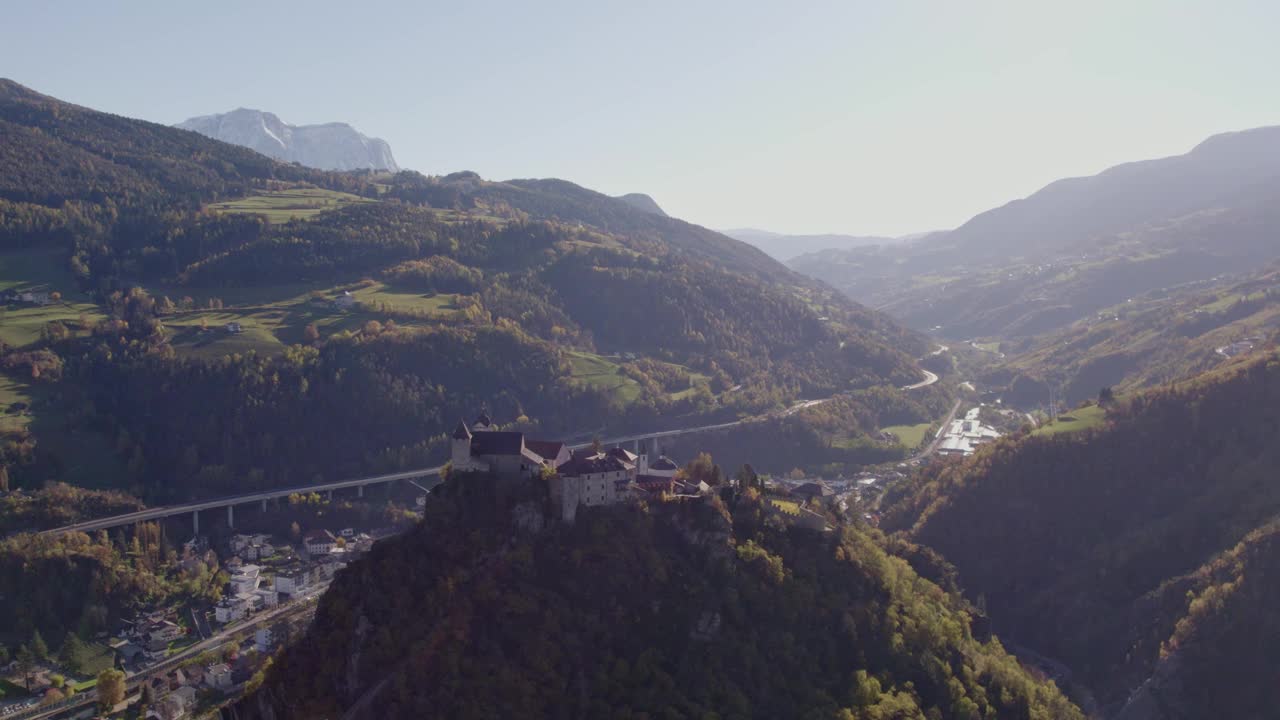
{"x": 345, "y": 301}
{"x": 218, "y": 676}
{"x": 231, "y": 609}
{"x": 267, "y": 639}
{"x": 245, "y": 579}
{"x": 176, "y": 705}
{"x": 818, "y": 490}
{"x": 319, "y": 542}
{"x": 164, "y": 630}
{"x": 293, "y": 580}
{"x": 266, "y": 598}
{"x": 252, "y": 547}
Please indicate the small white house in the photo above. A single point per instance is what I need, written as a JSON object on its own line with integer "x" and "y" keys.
{"x": 234, "y": 328}
{"x": 345, "y": 301}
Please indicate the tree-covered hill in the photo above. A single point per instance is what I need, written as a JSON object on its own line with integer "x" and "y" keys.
{"x": 1086, "y": 546}
{"x": 1158, "y": 337}
{"x": 680, "y": 610}
{"x": 221, "y": 297}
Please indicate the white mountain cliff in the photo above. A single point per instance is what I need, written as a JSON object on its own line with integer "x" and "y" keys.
{"x": 331, "y": 146}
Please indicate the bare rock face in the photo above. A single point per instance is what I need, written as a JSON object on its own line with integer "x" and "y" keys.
{"x": 331, "y": 146}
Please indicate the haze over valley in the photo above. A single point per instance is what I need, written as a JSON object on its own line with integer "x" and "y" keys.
{"x": 498, "y": 425}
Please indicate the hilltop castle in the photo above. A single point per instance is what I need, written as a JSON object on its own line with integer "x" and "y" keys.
{"x": 575, "y": 477}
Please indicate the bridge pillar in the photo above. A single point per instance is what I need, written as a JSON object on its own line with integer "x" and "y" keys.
{"x": 359, "y": 491}
{"x": 231, "y": 516}
{"x": 330, "y": 495}
{"x": 636, "y": 445}
{"x": 195, "y": 522}
{"x": 264, "y": 504}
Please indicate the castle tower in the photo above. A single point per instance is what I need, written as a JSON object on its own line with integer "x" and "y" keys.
{"x": 461, "y": 445}
{"x": 642, "y": 462}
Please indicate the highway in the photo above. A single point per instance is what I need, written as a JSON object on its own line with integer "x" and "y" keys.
{"x": 929, "y": 379}
{"x": 233, "y": 500}
{"x": 158, "y": 513}
{"x": 165, "y": 511}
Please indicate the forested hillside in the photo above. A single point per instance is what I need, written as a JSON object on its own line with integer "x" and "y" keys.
{"x": 1085, "y": 546}
{"x": 1154, "y": 338}
{"x": 678, "y": 610}
{"x": 217, "y": 321}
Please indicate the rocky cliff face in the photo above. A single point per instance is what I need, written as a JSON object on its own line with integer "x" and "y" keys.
{"x": 331, "y": 146}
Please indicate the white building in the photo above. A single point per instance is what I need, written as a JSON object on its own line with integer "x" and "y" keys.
{"x": 319, "y": 542}
{"x": 218, "y": 676}
{"x": 292, "y": 581}
{"x": 231, "y": 609}
{"x": 964, "y": 436}
{"x": 591, "y": 479}
{"x": 267, "y": 598}
{"x": 245, "y": 579}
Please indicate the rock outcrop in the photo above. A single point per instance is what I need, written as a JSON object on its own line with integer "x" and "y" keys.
{"x": 330, "y": 146}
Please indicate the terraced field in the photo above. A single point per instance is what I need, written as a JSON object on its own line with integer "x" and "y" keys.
{"x": 270, "y": 326}
{"x": 281, "y": 206}
{"x": 597, "y": 371}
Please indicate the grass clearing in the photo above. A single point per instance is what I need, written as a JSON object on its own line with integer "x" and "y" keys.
{"x": 39, "y": 270}
{"x": 95, "y": 658}
{"x": 14, "y": 391}
{"x": 268, "y": 328}
{"x": 599, "y": 372}
{"x": 20, "y": 325}
{"x": 909, "y": 435}
{"x": 281, "y": 206}
{"x": 1074, "y": 421}
{"x": 789, "y": 507}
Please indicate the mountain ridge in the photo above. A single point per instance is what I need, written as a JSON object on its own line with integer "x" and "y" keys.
{"x": 785, "y": 246}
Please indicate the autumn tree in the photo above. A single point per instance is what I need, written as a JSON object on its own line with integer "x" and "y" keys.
{"x": 110, "y": 688}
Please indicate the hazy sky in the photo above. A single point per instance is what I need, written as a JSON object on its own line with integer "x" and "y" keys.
{"x": 862, "y": 117}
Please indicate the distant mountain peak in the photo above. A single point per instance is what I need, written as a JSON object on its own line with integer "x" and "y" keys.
{"x": 640, "y": 201}
{"x": 326, "y": 146}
